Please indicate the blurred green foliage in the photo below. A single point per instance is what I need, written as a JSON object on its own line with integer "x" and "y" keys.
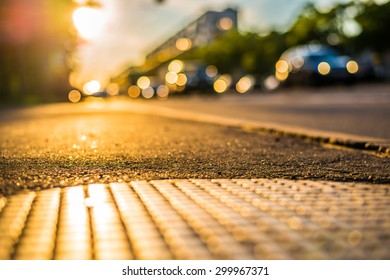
{"x": 375, "y": 21}
{"x": 241, "y": 52}
{"x": 35, "y": 41}
{"x": 351, "y": 28}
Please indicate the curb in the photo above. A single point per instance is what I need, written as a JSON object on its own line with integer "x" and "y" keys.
{"x": 358, "y": 142}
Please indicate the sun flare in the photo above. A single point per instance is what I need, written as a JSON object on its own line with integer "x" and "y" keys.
{"x": 89, "y": 22}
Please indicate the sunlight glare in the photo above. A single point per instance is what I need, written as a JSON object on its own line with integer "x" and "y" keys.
{"x": 91, "y": 87}
{"x": 89, "y": 22}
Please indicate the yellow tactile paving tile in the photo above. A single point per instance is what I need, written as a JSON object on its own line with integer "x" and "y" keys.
{"x": 199, "y": 219}
{"x": 12, "y": 221}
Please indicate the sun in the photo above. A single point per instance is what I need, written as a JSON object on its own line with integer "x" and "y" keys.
{"x": 89, "y": 22}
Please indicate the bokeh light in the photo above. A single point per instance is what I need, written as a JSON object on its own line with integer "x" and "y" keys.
{"x": 176, "y": 66}
{"x": 181, "y": 79}
{"x": 352, "y": 67}
{"x": 211, "y": 71}
{"x": 227, "y": 78}
{"x": 91, "y": 87}
{"x": 147, "y": 92}
{"x": 183, "y": 44}
{"x": 223, "y": 83}
{"x": 220, "y": 86}
{"x": 143, "y": 82}
{"x": 112, "y": 89}
{"x": 281, "y": 76}
{"x": 245, "y": 84}
{"x": 298, "y": 62}
{"x": 74, "y": 79}
{"x": 323, "y": 68}
{"x": 74, "y": 96}
{"x": 134, "y": 91}
{"x": 282, "y": 66}
{"x": 271, "y": 83}
{"x": 351, "y": 28}
{"x": 171, "y": 77}
{"x": 162, "y": 91}
{"x": 225, "y": 23}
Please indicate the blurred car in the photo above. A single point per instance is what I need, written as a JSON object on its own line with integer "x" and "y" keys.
{"x": 101, "y": 94}
{"x": 370, "y": 66}
{"x": 313, "y": 64}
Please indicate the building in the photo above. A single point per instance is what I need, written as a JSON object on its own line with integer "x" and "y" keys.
{"x": 201, "y": 31}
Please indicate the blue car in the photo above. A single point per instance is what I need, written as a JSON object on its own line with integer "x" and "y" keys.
{"x": 315, "y": 63}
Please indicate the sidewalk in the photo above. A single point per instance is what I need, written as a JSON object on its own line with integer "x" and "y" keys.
{"x": 199, "y": 219}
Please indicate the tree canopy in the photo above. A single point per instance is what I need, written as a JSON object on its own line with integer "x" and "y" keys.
{"x": 351, "y": 27}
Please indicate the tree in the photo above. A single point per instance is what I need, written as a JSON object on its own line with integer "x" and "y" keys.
{"x": 34, "y": 44}
{"x": 374, "y": 20}
{"x": 350, "y": 27}
{"x": 237, "y": 52}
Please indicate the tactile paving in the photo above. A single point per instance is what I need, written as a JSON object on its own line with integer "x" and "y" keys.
{"x": 199, "y": 219}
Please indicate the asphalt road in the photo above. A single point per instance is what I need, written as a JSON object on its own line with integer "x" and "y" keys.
{"x": 361, "y": 110}
{"x": 72, "y": 144}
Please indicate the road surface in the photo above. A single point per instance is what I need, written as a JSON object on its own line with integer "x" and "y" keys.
{"x": 106, "y": 141}
{"x": 362, "y": 110}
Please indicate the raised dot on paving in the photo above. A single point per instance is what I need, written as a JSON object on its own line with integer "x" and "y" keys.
{"x": 74, "y": 241}
{"x": 199, "y": 219}
{"x": 109, "y": 237}
{"x": 146, "y": 240}
{"x": 167, "y": 219}
{"x": 38, "y": 238}
{"x": 12, "y": 221}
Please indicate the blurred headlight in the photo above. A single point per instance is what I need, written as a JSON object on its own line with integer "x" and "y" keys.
{"x": 298, "y": 62}
{"x": 323, "y": 68}
{"x": 352, "y": 67}
{"x": 282, "y": 66}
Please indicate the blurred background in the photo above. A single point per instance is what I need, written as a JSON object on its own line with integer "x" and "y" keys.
{"x": 66, "y": 50}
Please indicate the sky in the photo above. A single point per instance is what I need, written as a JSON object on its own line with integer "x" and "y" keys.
{"x": 124, "y": 31}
